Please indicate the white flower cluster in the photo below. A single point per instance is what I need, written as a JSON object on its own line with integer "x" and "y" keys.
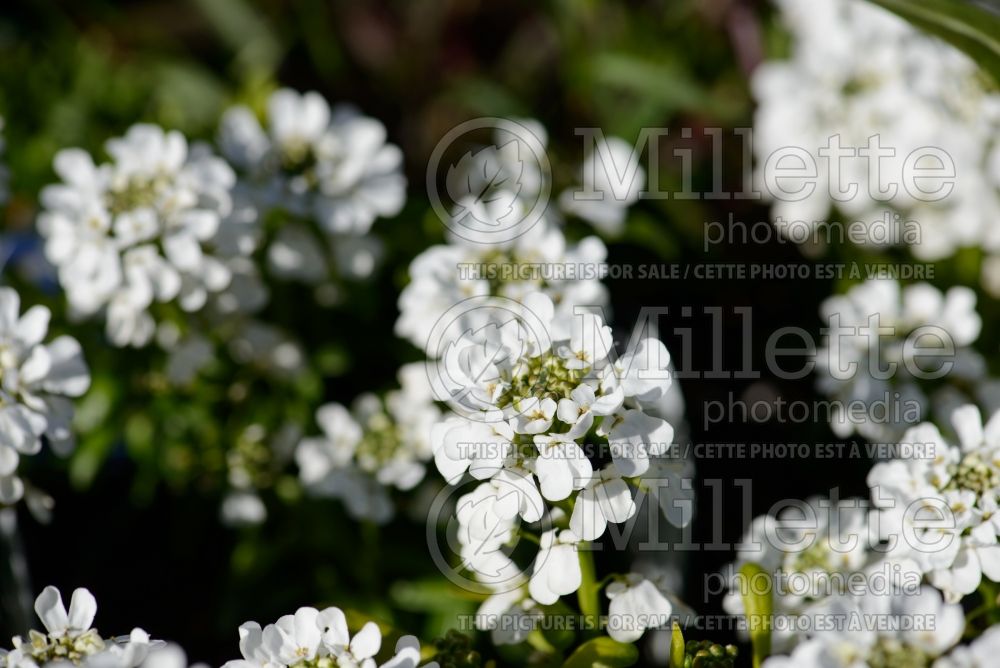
{"x": 852, "y": 68}
{"x": 961, "y": 483}
{"x": 379, "y": 444}
{"x": 314, "y": 163}
{"x": 167, "y": 223}
{"x": 37, "y": 380}
{"x": 811, "y": 551}
{"x": 531, "y": 412}
{"x": 848, "y": 580}
{"x": 309, "y": 638}
{"x": 138, "y": 230}
{"x": 70, "y": 640}
{"x": 314, "y": 638}
{"x": 912, "y": 630}
{"x": 885, "y": 345}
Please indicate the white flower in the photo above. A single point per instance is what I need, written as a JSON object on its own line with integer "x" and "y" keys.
{"x": 295, "y": 638}
{"x": 636, "y": 605}
{"x": 60, "y": 623}
{"x": 138, "y": 230}
{"x": 332, "y": 165}
{"x": 518, "y": 494}
{"x": 582, "y": 405}
{"x": 589, "y": 343}
{"x": 255, "y": 654}
{"x": 509, "y": 616}
{"x": 634, "y": 436}
{"x": 642, "y": 373}
{"x": 605, "y": 498}
{"x": 486, "y": 525}
{"x": 561, "y": 467}
{"x": 557, "y": 567}
{"x": 534, "y": 416}
{"x": 670, "y": 481}
{"x": 482, "y": 448}
{"x": 36, "y": 381}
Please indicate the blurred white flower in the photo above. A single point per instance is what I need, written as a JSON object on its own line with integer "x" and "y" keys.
{"x": 810, "y": 550}
{"x": 980, "y": 653}
{"x": 379, "y": 444}
{"x": 878, "y": 631}
{"x": 333, "y": 166}
{"x": 242, "y": 508}
{"x": 852, "y": 67}
{"x": 611, "y": 181}
{"x": 317, "y": 164}
{"x": 137, "y": 230}
{"x": 874, "y": 355}
{"x": 37, "y": 380}
{"x": 540, "y": 260}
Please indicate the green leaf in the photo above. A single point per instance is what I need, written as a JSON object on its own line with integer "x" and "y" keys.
{"x": 557, "y": 635}
{"x": 245, "y": 31}
{"x": 755, "y": 586}
{"x": 430, "y": 595}
{"x": 972, "y": 29}
{"x": 604, "y": 653}
{"x": 676, "y": 647}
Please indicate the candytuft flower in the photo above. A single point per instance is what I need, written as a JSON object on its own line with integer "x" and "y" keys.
{"x": 137, "y": 230}
{"x": 37, "y": 380}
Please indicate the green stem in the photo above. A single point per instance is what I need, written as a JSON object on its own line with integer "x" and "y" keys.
{"x": 587, "y": 594}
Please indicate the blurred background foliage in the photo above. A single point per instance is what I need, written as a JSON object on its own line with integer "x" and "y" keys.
{"x": 136, "y": 518}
